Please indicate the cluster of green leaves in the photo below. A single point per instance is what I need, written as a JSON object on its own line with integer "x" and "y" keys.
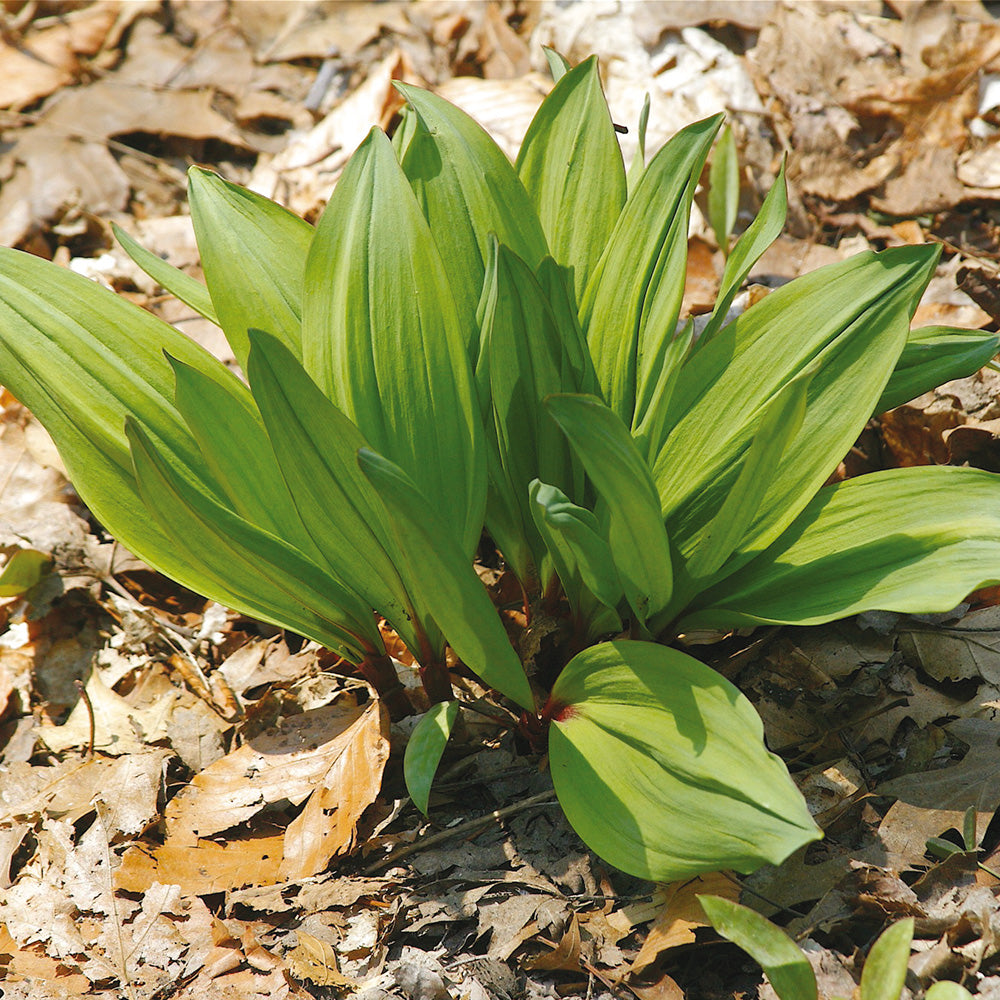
{"x": 789, "y": 971}
{"x": 462, "y": 342}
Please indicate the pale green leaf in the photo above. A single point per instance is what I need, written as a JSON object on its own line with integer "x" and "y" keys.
{"x": 909, "y": 540}
{"x": 424, "y": 751}
{"x": 449, "y": 587}
{"x": 581, "y": 558}
{"x": 246, "y": 567}
{"x": 724, "y": 188}
{"x": 660, "y": 766}
{"x": 253, "y": 253}
{"x": 787, "y": 968}
{"x": 934, "y": 355}
{"x": 571, "y": 165}
{"x": 25, "y": 569}
{"x": 630, "y": 307}
{"x": 638, "y": 165}
{"x": 558, "y": 63}
{"x": 182, "y": 286}
{"x": 884, "y": 972}
{"x": 760, "y": 234}
{"x": 469, "y": 193}
{"x": 635, "y": 526}
{"x": 382, "y": 338}
{"x": 316, "y": 450}
{"x": 947, "y": 990}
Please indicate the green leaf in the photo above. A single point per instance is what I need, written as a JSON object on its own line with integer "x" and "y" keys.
{"x": 947, "y": 990}
{"x": 934, "y": 355}
{"x": 660, "y": 766}
{"x": 316, "y": 449}
{"x": 81, "y": 358}
{"x": 630, "y": 307}
{"x": 852, "y": 319}
{"x": 909, "y": 540}
{"x": 760, "y": 234}
{"x": 884, "y": 971}
{"x": 469, "y": 193}
{"x": 780, "y": 423}
{"x": 787, "y": 968}
{"x": 558, "y": 64}
{"x": 182, "y": 286}
{"x": 638, "y": 165}
{"x": 571, "y": 165}
{"x": 245, "y": 567}
{"x": 253, "y": 253}
{"x": 724, "y": 188}
{"x": 635, "y": 526}
{"x": 25, "y": 569}
{"x": 424, "y": 751}
{"x": 523, "y": 360}
{"x": 450, "y": 589}
{"x": 382, "y": 339}
{"x": 581, "y": 557}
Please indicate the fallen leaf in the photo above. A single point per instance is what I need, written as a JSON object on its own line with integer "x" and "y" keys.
{"x": 316, "y": 961}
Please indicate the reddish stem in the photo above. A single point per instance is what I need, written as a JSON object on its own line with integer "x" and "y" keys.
{"x": 437, "y": 683}
{"x": 381, "y": 674}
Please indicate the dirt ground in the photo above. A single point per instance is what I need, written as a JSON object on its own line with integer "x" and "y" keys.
{"x": 132, "y": 861}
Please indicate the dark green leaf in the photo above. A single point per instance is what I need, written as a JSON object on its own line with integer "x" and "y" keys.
{"x": 423, "y": 752}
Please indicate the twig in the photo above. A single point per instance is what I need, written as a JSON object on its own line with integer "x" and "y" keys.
{"x": 79, "y": 685}
{"x": 541, "y": 799}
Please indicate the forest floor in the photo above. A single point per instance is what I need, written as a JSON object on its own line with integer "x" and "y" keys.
{"x": 133, "y": 863}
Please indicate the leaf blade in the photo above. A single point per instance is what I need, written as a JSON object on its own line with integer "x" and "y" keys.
{"x": 425, "y": 749}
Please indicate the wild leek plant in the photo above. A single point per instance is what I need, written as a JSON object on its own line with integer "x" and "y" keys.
{"x": 465, "y": 343}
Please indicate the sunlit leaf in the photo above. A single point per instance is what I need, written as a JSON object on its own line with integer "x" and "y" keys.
{"x": 382, "y": 338}
{"x": 25, "y": 569}
{"x": 884, "y": 972}
{"x": 571, "y": 165}
{"x": 724, "y": 188}
{"x": 638, "y": 165}
{"x": 449, "y": 587}
{"x": 660, "y": 766}
{"x": 886, "y": 541}
{"x": 182, "y": 286}
{"x": 253, "y": 253}
{"x": 787, "y": 968}
{"x": 558, "y": 64}
{"x": 424, "y": 750}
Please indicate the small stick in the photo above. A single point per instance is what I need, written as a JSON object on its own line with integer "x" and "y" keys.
{"x": 78, "y": 684}
{"x": 541, "y": 799}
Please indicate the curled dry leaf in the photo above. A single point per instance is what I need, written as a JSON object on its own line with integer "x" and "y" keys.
{"x": 333, "y": 757}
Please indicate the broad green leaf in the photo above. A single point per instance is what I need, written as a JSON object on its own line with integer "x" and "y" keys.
{"x": 423, "y": 752}
{"x": 182, "y": 286}
{"x": 780, "y": 423}
{"x": 223, "y": 419}
{"x": 253, "y": 253}
{"x": 522, "y": 361}
{"x": 947, "y": 990}
{"x": 81, "y": 358}
{"x": 934, "y": 355}
{"x": 649, "y": 431}
{"x": 405, "y": 131}
{"x": 246, "y": 567}
{"x": 787, "y": 968}
{"x": 382, "y": 338}
{"x": 630, "y": 307}
{"x": 852, "y": 320}
{"x": 760, "y": 234}
{"x": 469, "y": 193}
{"x": 451, "y": 591}
{"x": 660, "y": 766}
{"x": 581, "y": 557}
{"x": 558, "y": 63}
{"x": 724, "y": 188}
{"x": 25, "y": 569}
{"x": 635, "y": 526}
{"x": 638, "y": 165}
{"x": 316, "y": 448}
{"x": 909, "y": 540}
{"x": 884, "y": 972}
{"x": 571, "y": 165}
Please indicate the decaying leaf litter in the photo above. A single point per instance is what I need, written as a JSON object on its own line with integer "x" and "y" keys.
{"x": 140, "y": 859}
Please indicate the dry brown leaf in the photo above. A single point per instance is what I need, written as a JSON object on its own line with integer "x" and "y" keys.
{"x": 332, "y": 756}
{"x": 316, "y": 961}
{"x": 681, "y": 915}
{"x": 565, "y": 955}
